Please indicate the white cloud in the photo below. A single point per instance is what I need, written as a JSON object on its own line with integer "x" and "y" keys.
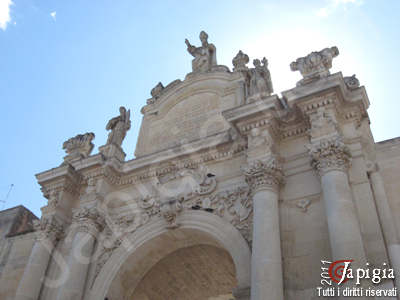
{"x": 333, "y": 5}
{"x": 52, "y": 14}
{"x": 5, "y": 17}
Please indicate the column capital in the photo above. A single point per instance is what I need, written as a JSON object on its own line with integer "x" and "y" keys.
{"x": 49, "y": 228}
{"x": 328, "y": 154}
{"x": 264, "y": 174}
{"x": 88, "y": 220}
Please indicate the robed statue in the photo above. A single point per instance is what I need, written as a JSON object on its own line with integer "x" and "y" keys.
{"x": 205, "y": 56}
{"x": 260, "y": 78}
{"x": 119, "y": 126}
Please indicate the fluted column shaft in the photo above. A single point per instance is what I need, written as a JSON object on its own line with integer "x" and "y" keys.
{"x": 266, "y": 261}
{"x": 388, "y": 227}
{"x": 35, "y": 271}
{"x": 88, "y": 224}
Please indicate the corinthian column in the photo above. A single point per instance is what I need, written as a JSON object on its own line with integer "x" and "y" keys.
{"x": 331, "y": 159}
{"x": 264, "y": 179}
{"x": 88, "y": 223}
{"x": 48, "y": 233}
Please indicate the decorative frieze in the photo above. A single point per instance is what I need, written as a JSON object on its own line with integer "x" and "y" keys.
{"x": 264, "y": 174}
{"x": 329, "y": 154}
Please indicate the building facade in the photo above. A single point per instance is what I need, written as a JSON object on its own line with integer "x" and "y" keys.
{"x": 234, "y": 193}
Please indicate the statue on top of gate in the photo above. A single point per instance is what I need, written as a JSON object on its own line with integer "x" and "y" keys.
{"x": 119, "y": 126}
{"x": 205, "y": 56}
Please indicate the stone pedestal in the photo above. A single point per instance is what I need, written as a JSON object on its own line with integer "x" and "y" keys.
{"x": 112, "y": 151}
{"x": 386, "y": 219}
{"x": 264, "y": 179}
{"x": 31, "y": 282}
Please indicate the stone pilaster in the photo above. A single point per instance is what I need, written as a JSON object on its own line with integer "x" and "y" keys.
{"x": 87, "y": 224}
{"x": 264, "y": 179}
{"x": 386, "y": 219}
{"x": 49, "y": 231}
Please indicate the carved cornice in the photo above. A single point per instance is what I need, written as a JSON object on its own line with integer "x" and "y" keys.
{"x": 49, "y": 228}
{"x": 264, "y": 174}
{"x": 118, "y": 178}
{"x": 88, "y": 220}
{"x": 329, "y": 154}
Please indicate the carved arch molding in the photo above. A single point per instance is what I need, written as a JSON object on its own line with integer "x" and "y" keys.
{"x": 197, "y": 192}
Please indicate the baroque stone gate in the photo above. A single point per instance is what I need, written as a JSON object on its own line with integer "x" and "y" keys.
{"x": 234, "y": 192}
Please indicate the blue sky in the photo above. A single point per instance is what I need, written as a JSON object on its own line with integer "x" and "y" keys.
{"x": 66, "y": 66}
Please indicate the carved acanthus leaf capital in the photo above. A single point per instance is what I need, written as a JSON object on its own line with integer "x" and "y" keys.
{"x": 264, "y": 174}
{"x": 88, "y": 220}
{"x": 329, "y": 154}
{"x": 49, "y": 228}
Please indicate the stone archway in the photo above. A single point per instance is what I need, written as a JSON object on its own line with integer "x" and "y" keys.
{"x": 153, "y": 242}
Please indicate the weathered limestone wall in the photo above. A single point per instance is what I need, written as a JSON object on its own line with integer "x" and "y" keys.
{"x": 16, "y": 241}
{"x": 388, "y": 157}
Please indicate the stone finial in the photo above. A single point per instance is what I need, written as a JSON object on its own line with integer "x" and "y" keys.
{"x": 205, "y": 56}
{"x": 351, "y": 82}
{"x": 79, "y": 146}
{"x": 315, "y": 65}
{"x": 118, "y": 125}
{"x": 239, "y": 61}
{"x": 260, "y": 78}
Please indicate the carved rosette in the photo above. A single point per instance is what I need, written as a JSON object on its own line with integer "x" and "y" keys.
{"x": 264, "y": 174}
{"x": 88, "y": 220}
{"x": 329, "y": 154}
{"x": 49, "y": 229}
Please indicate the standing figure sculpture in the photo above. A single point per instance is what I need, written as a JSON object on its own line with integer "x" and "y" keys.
{"x": 260, "y": 78}
{"x": 205, "y": 56}
{"x": 119, "y": 126}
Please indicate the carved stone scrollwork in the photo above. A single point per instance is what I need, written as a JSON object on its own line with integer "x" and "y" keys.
{"x": 264, "y": 174}
{"x": 49, "y": 228}
{"x": 169, "y": 211}
{"x": 88, "y": 220}
{"x": 315, "y": 65}
{"x": 329, "y": 154}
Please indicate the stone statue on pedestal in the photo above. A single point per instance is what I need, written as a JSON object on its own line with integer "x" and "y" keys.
{"x": 205, "y": 56}
{"x": 119, "y": 126}
{"x": 260, "y": 78}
